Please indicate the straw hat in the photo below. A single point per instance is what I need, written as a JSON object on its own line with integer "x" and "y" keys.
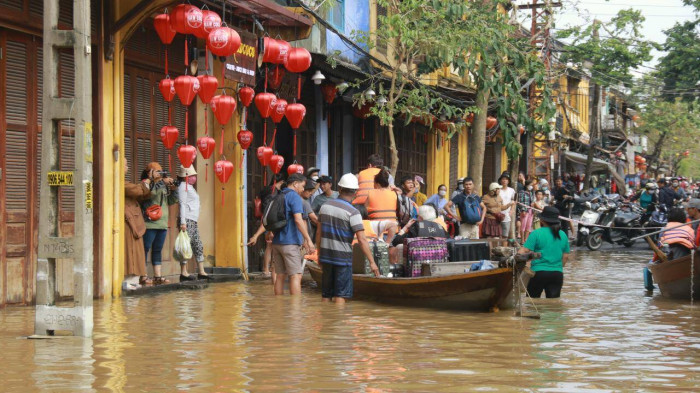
{"x": 185, "y": 172}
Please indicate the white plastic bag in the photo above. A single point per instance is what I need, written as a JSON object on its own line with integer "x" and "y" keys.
{"x": 183, "y": 248}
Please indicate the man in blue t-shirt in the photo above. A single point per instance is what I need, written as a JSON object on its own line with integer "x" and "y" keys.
{"x": 287, "y": 243}
{"x": 471, "y": 209}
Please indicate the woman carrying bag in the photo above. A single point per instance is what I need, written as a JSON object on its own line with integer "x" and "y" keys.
{"x": 134, "y": 269}
{"x": 553, "y": 244}
{"x": 155, "y": 211}
{"x": 189, "y": 215}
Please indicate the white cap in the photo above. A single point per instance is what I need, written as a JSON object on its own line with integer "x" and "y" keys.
{"x": 494, "y": 186}
{"x": 349, "y": 181}
{"x": 427, "y": 212}
{"x": 185, "y": 172}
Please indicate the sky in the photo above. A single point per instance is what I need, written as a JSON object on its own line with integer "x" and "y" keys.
{"x": 660, "y": 15}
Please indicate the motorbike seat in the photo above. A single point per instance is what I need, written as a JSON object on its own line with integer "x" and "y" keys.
{"x": 625, "y": 219}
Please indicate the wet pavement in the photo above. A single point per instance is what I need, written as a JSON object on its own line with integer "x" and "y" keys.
{"x": 604, "y": 334}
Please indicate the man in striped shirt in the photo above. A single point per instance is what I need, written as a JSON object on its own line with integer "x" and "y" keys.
{"x": 339, "y": 223}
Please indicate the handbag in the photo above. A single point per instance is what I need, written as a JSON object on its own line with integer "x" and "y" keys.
{"x": 154, "y": 212}
{"x": 499, "y": 217}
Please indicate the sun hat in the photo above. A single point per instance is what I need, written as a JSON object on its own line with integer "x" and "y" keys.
{"x": 694, "y": 203}
{"x": 494, "y": 186}
{"x": 550, "y": 215}
{"x": 185, "y": 172}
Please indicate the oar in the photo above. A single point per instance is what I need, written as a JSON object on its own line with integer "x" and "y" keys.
{"x": 662, "y": 256}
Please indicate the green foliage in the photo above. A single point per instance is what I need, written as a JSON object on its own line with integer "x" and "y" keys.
{"x": 680, "y": 67}
{"x": 614, "y": 48}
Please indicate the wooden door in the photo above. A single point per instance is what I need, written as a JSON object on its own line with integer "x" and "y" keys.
{"x": 20, "y": 119}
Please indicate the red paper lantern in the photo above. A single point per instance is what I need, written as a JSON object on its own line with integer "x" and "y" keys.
{"x": 275, "y": 51}
{"x": 276, "y": 163}
{"x": 245, "y": 138}
{"x": 210, "y": 22}
{"x": 299, "y": 60}
{"x": 275, "y": 77}
{"x": 362, "y": 112}
{"x": 187, "y": 154}
{"x": 491, "y": 122}
{"x": 441, "y": 125}
{"x": 206, "y": 146}
{"x": 246, "y": 94}
{"x": 264, "y": 155}
{"x": 280, "y": 110}
{"x": 329, "y": 92}
{"x": 207, "y": 87}
{"x": 686, "y": 153}
{"x": 167, "y": 89}
{"x": 223, "y": 170}
{"x": 169, "y": 135}
{"x": 193, "y": 20}
{"x": 295, "y": 114}
{"x": 178, "y": 18}
{"x": 295, "y": 168}
{"x": 470, "y": 118}
{"x": 265, "y": 102}
{"x": 223, "y": 41}
{"x": 223, "y": 107}
{"x": 186, "y": 87}
{"x": 164, "y": 29}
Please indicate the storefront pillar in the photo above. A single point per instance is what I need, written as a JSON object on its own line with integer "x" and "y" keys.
{"x": 322, "y": 147}
{"x": 463, "y": 156}
{"x": 438, "y": 163}
{"x": 231, "y": 216}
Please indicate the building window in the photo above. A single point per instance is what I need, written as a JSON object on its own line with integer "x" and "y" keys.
{"x": 336, "y": 14}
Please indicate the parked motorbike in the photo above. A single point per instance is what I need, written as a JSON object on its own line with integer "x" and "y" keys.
{"x": 655, "y": 218}
{"x": 612, "y": 217}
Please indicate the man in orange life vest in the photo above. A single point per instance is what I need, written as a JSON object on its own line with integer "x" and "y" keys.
{"x": 366, "y": 178}
{"x": 680, "y": 238}
{"x": 381, "y": 206}
{"x": 693, "y": 209}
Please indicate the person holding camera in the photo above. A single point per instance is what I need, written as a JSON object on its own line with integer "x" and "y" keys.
{"x": 155, "y": 210}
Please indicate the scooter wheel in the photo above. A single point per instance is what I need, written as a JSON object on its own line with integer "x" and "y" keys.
{"x": 628, "y": 243}
{"x": 595, "y": 241}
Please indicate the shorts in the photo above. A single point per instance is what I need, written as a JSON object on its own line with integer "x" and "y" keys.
{"x": 379, "y": 226}
{"x": 548, "y": 281}
{"x": 469, "y": 231}
{"x": 287, "y": 259}
{"x": 526, "y": 222}
{"x": 336, "y": 281}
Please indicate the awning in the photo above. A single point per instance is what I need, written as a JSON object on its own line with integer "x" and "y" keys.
{"x": 271, "y": 13}
{"x": 598, "y": 165}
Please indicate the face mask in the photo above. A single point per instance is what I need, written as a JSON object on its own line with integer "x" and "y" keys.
{"x": 191, "y": 180}
{"x": 442, "y": 193}
{"x": 314, "y": 178}
{"x": 545, "y": 188}
{"x": 460, "y": 187}
{"x": 529, "y": 188}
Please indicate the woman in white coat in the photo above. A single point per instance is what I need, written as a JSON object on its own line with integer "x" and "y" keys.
{"x": 189, "y": 215}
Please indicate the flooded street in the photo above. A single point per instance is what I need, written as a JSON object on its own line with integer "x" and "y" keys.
{"x": 603, "y": 335}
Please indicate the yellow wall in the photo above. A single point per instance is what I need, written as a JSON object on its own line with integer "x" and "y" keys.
{"x": 462, "y": 144}
{"x": 206, "y": 189}
{"x": 438, "y": 163}
{"x": 576, "y": 102}
{"x": 229, "y": 219}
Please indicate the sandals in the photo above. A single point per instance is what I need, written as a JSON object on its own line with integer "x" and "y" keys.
{"x": 145, "y": 281}
{"x": 266, "y": 275}
{"x": 190, "y": 277}
{"x": 160, "y": 280}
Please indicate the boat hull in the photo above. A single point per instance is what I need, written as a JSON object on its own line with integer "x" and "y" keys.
{"x": 674, "y": 278}
{"x": 481, "y": 290}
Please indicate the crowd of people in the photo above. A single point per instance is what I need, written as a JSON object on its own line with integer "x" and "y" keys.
{"x": 371, "y": 205}
{"x": 146, "y": 215}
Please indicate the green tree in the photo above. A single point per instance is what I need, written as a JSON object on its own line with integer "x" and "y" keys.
{"x": 680, "y": 67}
{"x": 610, "y": 50}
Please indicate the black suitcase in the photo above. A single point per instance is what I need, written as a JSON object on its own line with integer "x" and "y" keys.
{"x": 468, "y": 250}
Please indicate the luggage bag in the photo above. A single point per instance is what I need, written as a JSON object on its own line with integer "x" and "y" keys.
{"x": 423, "y": 250}
{"x": 468, "y": 250}
{"x": 380, "y": 252}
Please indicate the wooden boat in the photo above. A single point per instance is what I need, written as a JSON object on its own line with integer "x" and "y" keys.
{"x": 674, "y": 277}
{"x": 479, "y": 290}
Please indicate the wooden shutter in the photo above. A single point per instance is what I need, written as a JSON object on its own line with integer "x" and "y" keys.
{"x": 454, "y": 162}
{"x": 11, "y": 4}
{"x": 16, "y": 109}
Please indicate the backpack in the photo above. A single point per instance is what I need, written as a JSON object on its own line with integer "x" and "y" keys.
{"x": 430, "y": 229}
{"x": 470, "y": 210}
{"x": 275, "y": 215}
{"x": 403, "y": 209}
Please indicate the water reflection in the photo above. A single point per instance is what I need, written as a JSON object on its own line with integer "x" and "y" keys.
{"x": 604, "y": 335}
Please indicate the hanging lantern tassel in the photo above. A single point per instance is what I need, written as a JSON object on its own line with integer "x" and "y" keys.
{"x": 295, "y": 142}
{"x": 166, "y": 60}
{"x": 242, "y": 158}
{"x": 206, "y": 121}
{"x": 272, "y": 142}
{"x": 187, "y": 121}
{"x": 299, "y": 87}
{"x": 221, "y": 144}
{"x": 206, "y": 172}
{"x": 187, "y": 60}
{"x": 265, "y": 131}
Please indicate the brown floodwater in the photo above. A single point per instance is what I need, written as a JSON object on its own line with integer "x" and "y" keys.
{"x": 603, "y": 335}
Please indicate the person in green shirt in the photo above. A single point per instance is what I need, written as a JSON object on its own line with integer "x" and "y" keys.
{"x": 553, "y": 244}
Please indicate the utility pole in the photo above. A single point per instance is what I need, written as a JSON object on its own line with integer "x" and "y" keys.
{"x": 594, "y": 125}
{"x": 539, "y": 153}
{"x": 50, "y": 319}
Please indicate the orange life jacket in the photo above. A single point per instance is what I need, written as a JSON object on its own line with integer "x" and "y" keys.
{"x": 682, "y": 235}
{"x": 366, "y": 180}
{"x": 382, "y": 204}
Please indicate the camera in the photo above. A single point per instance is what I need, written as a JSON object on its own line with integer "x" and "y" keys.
{"x": 163, "y": 174}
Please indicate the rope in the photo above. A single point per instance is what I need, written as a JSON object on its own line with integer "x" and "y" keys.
{"x": 692, "y": 277}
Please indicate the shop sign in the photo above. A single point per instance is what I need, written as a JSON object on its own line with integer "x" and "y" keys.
{"x": 60, "y": 178}
{"x": 241, "y": 66}
{"x": 88, "y": 194}
{"x": 289, "y": 86}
